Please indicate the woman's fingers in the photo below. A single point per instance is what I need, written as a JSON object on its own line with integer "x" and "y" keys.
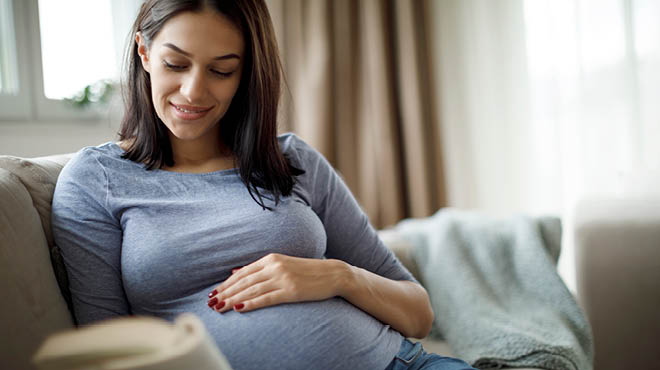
{"x": 268, "y": 299}
{"x": 237, "y": 275}
{"x": 229, "y": 300}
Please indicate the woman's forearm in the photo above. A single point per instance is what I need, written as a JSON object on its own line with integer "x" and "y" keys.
{"x": 404, "y": 305}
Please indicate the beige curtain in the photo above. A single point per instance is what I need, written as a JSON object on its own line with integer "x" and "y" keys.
{"x": 360, "y": 91}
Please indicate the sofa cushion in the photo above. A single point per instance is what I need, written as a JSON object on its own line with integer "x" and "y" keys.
{"x": 32, "y": 307}
{"x": 39, "y": 176}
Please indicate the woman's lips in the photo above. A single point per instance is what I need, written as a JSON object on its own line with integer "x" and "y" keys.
{"x": 189, "y": 112}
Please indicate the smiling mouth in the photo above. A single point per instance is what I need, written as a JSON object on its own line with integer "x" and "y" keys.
{"x": 190, "y": 108}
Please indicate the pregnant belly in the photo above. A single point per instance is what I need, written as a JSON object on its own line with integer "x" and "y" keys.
{"x": 330, "y": 334}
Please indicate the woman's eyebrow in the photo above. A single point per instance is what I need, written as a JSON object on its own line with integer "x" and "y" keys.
{"x": 178, "y": 50}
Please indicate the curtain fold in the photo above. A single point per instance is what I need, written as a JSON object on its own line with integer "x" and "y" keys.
{"x": 360, "y": 90}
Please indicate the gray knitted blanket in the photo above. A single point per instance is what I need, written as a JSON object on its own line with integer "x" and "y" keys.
{"x": 495, "y": 291}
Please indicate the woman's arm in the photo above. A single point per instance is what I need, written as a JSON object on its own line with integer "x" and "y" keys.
{"x": 90, "y": 240}
{"x": 378, "y": 283}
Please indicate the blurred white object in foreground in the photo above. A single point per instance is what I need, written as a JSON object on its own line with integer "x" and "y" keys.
{"x": 143, "y": 343}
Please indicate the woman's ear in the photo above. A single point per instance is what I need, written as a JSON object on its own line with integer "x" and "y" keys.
{"x": 142, "y": 51}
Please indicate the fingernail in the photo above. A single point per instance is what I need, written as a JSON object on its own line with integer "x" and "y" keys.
{"x": 214, "y": 292}
{"x": 234, "y": 270}
{"x": 220, "y": 305}
{"x": 239, "y": 306}
{"x": 213, "y": 302}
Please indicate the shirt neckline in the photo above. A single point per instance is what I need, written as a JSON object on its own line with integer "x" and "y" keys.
{"x": 228, "y": 171}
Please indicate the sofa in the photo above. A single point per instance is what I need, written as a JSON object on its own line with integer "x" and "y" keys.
{"x": 617, "y": 253}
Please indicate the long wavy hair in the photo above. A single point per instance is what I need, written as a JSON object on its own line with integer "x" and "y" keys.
{"x": 248, "y": 128}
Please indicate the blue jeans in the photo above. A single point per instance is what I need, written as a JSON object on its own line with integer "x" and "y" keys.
{"x": 412, "y": 356}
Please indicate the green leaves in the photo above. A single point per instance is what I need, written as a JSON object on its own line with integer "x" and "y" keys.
{"x": 93, "y": 95}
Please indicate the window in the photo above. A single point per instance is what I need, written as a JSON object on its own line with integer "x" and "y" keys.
{"x": 593, "y": 70}
{"x": 72, "y": 59}
{"x": 52, "y": 49}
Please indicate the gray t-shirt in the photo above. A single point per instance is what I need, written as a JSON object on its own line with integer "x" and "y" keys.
{"x": 157, "y": 242}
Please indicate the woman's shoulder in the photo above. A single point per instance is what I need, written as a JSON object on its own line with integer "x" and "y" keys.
{"x": 298, "y": 150}
{"x": 290, "y": 142}
{"x": 89, "y": 153}
{"x": 91, "y": 160}
{"x": 318, "y": 171}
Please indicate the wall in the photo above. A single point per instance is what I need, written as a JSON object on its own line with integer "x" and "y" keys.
{"x": 34, "y": 139}
{"x": 40, "y": 138}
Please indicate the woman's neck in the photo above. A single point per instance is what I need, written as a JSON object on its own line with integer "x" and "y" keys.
{"x": 195, "y": 156}
{"x": 205, "y": 154}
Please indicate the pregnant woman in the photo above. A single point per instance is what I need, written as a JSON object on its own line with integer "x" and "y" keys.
{"x": 201, "y": 207}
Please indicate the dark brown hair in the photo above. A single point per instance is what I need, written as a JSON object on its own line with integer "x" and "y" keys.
{"x": 248, "y": 128}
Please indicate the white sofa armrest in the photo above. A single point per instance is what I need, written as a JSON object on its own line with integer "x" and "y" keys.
{"x": 617, "y": 246}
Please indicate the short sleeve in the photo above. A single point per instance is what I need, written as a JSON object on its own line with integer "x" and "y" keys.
{"x": 90, "y": 239}
{"x": 350, "y": 235}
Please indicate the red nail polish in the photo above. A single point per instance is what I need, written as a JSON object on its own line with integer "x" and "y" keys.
{"x": 239, "y": 306}
{"x": 214, "y": 292}
{"x": 220, "y": 305}
{"x": 213, "y": 302}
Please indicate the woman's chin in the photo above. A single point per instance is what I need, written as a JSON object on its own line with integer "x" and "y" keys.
{"x": 185, "y": 135}
{"x": 186, "y": 138}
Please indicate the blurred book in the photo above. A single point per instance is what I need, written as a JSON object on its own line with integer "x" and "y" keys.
{"x": 144, "y": 343}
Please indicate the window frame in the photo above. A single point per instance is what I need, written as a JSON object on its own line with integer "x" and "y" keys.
{"x": 18, "y": 106}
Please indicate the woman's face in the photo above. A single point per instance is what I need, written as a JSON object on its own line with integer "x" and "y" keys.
{"x": 195, "y": 64}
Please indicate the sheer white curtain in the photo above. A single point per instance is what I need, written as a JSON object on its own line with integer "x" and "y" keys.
{"x": 545, "y": 102}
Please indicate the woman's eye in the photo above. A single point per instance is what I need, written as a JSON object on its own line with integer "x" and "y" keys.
{"x": 173, "y": 67}
{"x": 221, "y": 74}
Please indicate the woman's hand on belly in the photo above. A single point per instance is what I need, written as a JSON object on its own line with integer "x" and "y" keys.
{"x": 276, "y": 279}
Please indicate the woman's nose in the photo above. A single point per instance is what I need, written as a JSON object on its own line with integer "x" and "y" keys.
{"x": 193, "y": 86}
